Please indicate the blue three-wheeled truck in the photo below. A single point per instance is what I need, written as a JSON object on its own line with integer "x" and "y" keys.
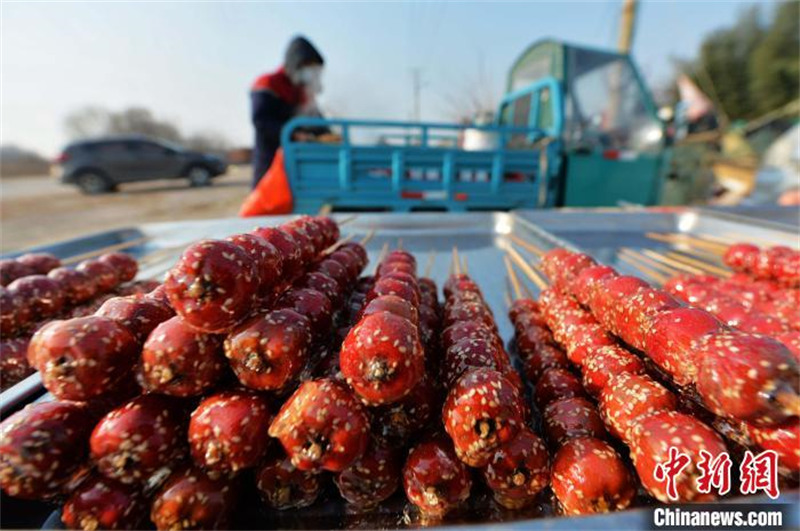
{"x": 576, "y": 127}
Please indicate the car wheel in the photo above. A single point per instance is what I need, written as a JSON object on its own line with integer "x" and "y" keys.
{"x": 199, "y": 176}
{"x": 92, "y": 183}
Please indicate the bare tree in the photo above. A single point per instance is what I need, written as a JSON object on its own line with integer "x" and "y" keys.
{"x": 207, "y": 141}
{"x": 138, "y": 120}
{"x": 97, "y": 121}
{"x": 87, "y": 122}
{"x": 473, "y": 97}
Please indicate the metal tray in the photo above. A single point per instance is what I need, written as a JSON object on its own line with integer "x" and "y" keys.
{"x": 480, "y": 239}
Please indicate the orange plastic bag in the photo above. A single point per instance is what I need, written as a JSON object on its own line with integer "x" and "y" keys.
{"x": 272, "y": 196}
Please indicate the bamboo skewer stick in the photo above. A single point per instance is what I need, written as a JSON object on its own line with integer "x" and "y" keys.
{"x": 339, "y": 243}
{"x": 709, "y": 268}
{"x": 464, "y": 265}
{"x": 368, "y": 238}
{"x": 530, "y": 271}
{"x": 526, "y": 245}
{"x": 674, "y": 263}
{"x": 790, "y": 240}
{"x": 703, "y": 254}
{"x": 347, "y": 220}
{"x": 429, "y": 264}
{"x": 717, "y": 239}
{"x": 652, "y": 273}
{"x": 720, "y": 247}
{"x": 512, "y": 277}
{"x": 382, "y": 255}
{"x": 103, "y": 250}
{"x": 456, "y": 261}
{"x": 649, "y": 261}
{"x": 507, "y": 296}
{"x": 526, "y": 268}
{"x": 714, "y": 248}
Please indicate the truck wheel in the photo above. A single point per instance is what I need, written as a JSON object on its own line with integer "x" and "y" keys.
{"x": 93, "y": 183}
{"x": 199, "y": 176}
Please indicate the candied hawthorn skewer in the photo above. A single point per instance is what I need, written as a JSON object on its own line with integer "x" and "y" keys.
{"x": 28, "y": 264}
{"x": 283, "y": 486}
{"x": 144, "y": 438}
{"x": 138, "y": 314}
{"x": 434, "y": 479}
{"x": 589, "y": 477}
{"x": 778, "y": 263}
{"x": 322, "y": 426}
{"x": 41, "y": 447}
{"x": 213, "y": 286}
{"x": 14, "y": 366}
{"x": 372, "y": 478}
{"x": 227, "y": 432}
{"x": 178, "y": 360}
{"x": 83, "y": 358}
{"x": 382, "y": 358}
{"x": 573, "y": 426}
{"x": 629, "y": 403}
{"x": 191, "y": 500}
{"x": 102, "y": 503}
{"x": 483, "y": 411}
{"x": 518, "y": 471}
{"x": 769, "y": 392}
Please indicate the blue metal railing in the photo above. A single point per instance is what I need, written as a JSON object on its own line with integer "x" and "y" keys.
{"x": 420, "y": 172}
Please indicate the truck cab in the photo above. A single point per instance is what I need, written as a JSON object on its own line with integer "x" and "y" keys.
{"x": 611, "y": 139}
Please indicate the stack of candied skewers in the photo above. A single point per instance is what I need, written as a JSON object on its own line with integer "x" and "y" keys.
{"x": 760, "y": 293}
{"x": 611, "y": 324}
{"x": 267, "y": 367}
{"x": 116, "y": 454}
{"x": 37, "y": 288}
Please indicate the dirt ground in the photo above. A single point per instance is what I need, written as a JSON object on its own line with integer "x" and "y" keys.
{"x": 40, "y": 210}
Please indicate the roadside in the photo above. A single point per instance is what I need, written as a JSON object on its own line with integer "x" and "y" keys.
{"x": 39, "y": 210}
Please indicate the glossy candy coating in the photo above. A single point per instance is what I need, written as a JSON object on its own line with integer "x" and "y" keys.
{"x": 322, "y": 426}
{"x": 83, "y": 358}
{"x": 434, "y": 479}
{"x": 41, "y": 446}
{"x": 143, "y": 438}
{"x": 213, "y": 286}
{"x": 178, "y": 360}
{"x": 227, "y": 432}
{"x": 191, "y": 500}
{"x": 483, "y": 410}
{"x": 269, "y": 352}
{"x": 382, "y": 358}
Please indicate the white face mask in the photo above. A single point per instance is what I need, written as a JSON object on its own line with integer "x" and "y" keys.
{"x": 311, "y": 78}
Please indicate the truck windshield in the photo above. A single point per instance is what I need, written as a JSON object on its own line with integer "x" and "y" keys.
{"x": 606, "y": 106}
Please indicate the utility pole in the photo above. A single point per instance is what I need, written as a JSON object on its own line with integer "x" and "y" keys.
{"x": 417, "y": 84}
{"x": 625, "y": 41}
{"x": 626, "y": 26}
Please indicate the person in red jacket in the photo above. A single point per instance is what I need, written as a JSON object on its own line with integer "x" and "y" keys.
{"x": 277, "y": 97}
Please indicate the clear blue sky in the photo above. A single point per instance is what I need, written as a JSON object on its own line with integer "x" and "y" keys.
{"x": 193, "y": 62}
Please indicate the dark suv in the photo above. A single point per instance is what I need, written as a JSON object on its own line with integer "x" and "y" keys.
{"x": 98, "y": 166}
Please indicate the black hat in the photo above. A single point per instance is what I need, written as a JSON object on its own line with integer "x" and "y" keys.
{"x": 301, "y": 53}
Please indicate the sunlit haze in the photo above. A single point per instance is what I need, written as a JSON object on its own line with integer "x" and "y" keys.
{"x": 193, "y": 62}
